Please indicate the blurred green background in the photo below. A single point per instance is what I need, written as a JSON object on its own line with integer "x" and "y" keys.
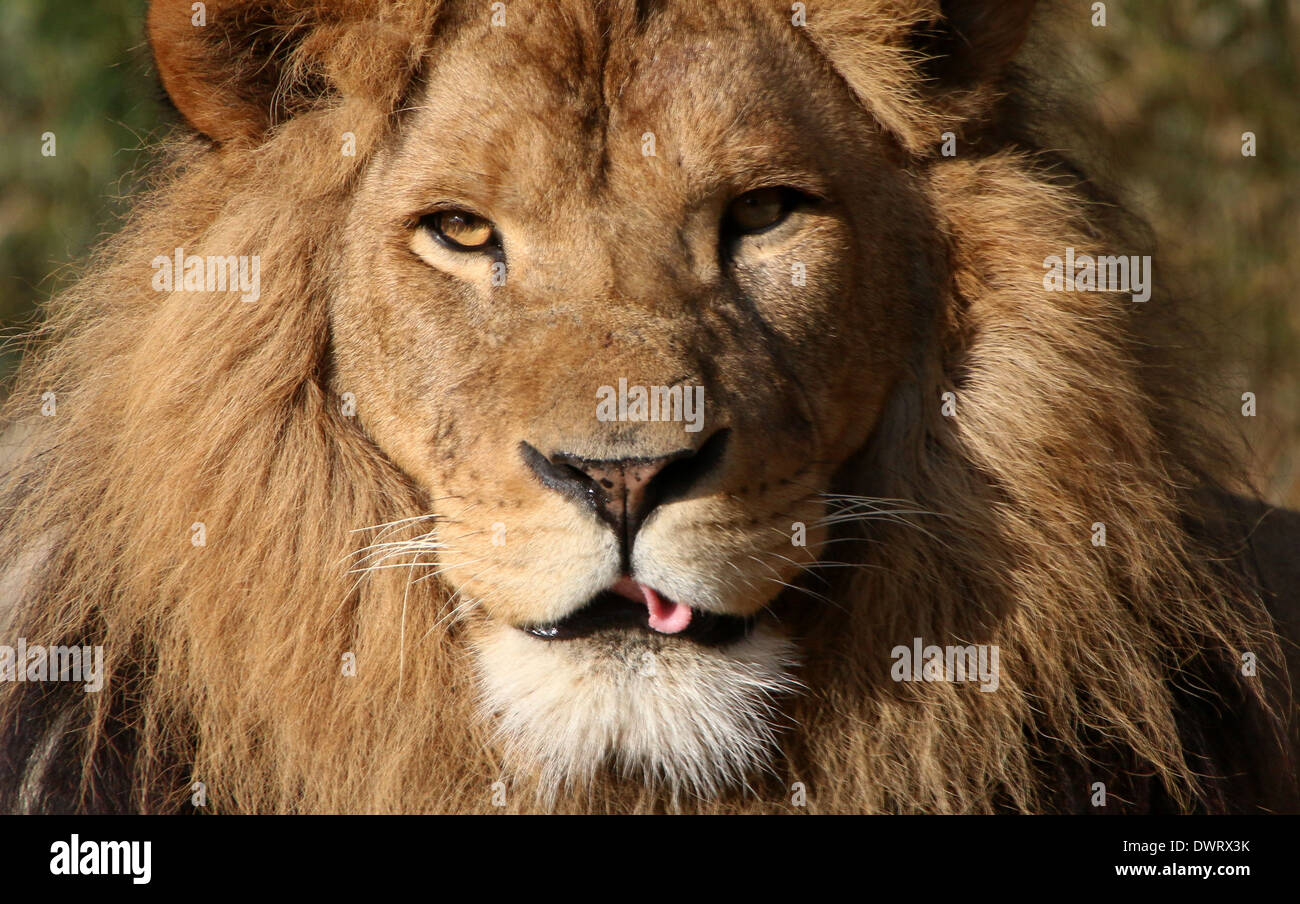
{"x": 82, "y": 71}
{"x": 1172, "y": 85}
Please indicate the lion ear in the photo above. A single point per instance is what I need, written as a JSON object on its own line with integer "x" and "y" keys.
{"x": 973, "y": 41}
{"x": 953, "y": 54}
{"x": 229, "y": 65}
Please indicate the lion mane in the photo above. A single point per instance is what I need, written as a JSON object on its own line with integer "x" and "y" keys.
{"x": 227, "y": 662}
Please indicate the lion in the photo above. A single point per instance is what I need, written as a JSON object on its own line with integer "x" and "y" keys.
{"x": 628, "y": 406}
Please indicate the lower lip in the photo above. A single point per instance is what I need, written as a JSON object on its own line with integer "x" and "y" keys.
{"x": 612, "y": 612}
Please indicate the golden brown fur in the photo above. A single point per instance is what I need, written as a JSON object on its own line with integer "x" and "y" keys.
{"x": 224, "y": 660}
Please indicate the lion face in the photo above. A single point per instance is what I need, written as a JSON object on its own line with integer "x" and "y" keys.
{"x": 692, "y": 206}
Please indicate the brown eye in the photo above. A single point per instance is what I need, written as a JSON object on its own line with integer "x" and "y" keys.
{"x": 461, "y": 230}
{"x": 761, "y": 209}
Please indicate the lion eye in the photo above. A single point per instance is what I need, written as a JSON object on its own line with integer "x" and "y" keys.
{"x": 759, "y": 210}
{"x": 461, "y": 230}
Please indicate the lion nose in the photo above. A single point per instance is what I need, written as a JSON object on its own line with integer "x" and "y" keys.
{"x": 623, "y": 492}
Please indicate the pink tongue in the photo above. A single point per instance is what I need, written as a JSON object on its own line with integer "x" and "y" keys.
{"x": 666, "y": 616}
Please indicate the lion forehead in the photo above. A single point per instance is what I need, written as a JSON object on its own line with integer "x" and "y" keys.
{"x": 715, "y": 98}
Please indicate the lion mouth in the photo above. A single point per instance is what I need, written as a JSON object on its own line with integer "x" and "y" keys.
{"x": 632, "y": 606}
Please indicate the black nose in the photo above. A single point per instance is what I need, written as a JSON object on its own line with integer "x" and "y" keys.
{"x": 623, "y": 492}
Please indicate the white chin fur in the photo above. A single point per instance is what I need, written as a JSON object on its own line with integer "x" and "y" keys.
{"x": 661, "y": 709}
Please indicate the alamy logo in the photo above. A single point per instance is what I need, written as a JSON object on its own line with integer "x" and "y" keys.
{"x": 103, "y": 858}
{"x": 38, "y": 663}
{"x": 1105, "y": 273}
{"x": 652, "y": 403}
{"x": 976, "y": 662}
{"x": 215, "y": 273}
